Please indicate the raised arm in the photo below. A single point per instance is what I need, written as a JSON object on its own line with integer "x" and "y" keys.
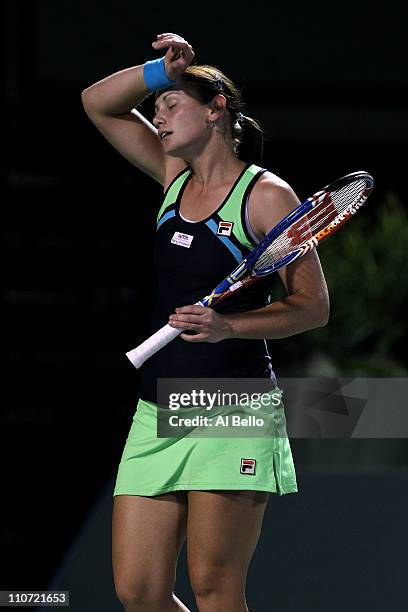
{"x": 111, "y": 106}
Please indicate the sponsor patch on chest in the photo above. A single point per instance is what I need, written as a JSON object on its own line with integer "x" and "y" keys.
{"x": 225, "y": 228}
{"x": 183, "y": 240}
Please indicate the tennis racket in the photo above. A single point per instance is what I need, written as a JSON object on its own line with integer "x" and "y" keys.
{"x": 296, "y": 234}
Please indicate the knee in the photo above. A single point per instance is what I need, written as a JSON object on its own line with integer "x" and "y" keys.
{"x": 141, "y": 598}
{"x": 207, "y": 580}
{"x": 131, "y": 597}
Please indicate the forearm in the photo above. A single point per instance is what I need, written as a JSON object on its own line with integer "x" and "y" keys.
{"x": 118, "y": 93}
{"x": 286, "y": 317}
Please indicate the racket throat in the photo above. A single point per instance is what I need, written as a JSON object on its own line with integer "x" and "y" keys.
{"x": 238, "y": 285}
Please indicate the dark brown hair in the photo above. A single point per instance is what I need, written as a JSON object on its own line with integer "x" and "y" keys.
{"x": 203, "y": 83}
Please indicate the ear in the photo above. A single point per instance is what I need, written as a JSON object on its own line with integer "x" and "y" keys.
{"x": 218, "y": 106}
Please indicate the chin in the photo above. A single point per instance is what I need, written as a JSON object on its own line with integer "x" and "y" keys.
{"x": 183, "y": 150}
{"x": 176, "y": 152}
{"x": 173, "y": 153}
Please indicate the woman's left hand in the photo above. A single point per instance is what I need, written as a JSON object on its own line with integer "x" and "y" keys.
{"x": 208, "y": 324}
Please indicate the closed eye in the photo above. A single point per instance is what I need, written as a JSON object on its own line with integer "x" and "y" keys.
{"x": 168, "y": 108}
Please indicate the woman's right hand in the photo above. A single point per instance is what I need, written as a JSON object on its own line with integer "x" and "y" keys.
{"x": 179, "y": 54}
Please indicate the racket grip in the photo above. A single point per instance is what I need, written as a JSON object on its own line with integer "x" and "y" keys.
{"x": 153, "y": 344}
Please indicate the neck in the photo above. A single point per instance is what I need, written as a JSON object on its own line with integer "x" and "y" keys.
{"x": 213, "y": 166}
{"x": 212, "y": 173}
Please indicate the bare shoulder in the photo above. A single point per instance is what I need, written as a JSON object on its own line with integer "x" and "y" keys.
{"x": 271, "y": 199}
{"x": 271, "y": 189}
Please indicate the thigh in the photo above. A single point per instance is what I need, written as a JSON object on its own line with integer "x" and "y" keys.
{"x": 147, "y": 536}
{"x": 223, "y": 529}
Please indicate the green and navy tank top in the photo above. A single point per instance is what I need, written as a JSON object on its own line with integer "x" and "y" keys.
{"x": 191, "y": 258}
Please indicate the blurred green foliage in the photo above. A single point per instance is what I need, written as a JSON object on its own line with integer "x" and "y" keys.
{"x": 365, "y": 265}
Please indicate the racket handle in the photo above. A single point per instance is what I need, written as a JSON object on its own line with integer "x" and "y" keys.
{"x": 153, "y": 344}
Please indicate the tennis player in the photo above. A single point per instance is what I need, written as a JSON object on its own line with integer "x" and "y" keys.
{"x": 217, "y": 204}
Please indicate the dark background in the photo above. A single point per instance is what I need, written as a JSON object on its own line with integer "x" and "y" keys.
{"x": 329, "y": 84}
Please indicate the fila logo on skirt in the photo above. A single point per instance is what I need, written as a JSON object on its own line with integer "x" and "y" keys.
{"x": 225, "y": 228}
{"x": 248, "y": 466}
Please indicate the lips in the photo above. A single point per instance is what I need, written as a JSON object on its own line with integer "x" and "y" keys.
{"x": 164, "y": 135}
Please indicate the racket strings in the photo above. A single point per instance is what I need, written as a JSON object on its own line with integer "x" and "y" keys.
{"x": 330, "y": 205}
{"x": 333, "y": 204}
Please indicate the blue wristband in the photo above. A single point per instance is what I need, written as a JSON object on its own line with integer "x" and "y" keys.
{"x": 154, "y": 74}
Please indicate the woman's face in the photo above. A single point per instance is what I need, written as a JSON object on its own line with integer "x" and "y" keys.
{"x": 185, "y": 119}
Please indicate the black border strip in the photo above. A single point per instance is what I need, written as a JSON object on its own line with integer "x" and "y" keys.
{"x": 244, "y": 204}
{"x": 173, "y": 181}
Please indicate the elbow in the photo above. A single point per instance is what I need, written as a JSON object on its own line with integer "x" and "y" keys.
{"x": 315, "y": 310}
{"x": 88, "y": 90}
{"x": 322, "y": 310}
{"x": 83, "y": 94}
{"x": 86, "y": 98}
{"x": 323, "y": 320}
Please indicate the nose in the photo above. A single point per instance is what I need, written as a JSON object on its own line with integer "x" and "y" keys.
{"x": 159, "y": 119}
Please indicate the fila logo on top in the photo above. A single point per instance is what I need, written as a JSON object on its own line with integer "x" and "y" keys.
{"x": 225, "y": 228}
{"x": 248, "y": 466}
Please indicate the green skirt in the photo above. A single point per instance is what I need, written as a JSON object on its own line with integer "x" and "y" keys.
{"x": 152, "y": 465}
